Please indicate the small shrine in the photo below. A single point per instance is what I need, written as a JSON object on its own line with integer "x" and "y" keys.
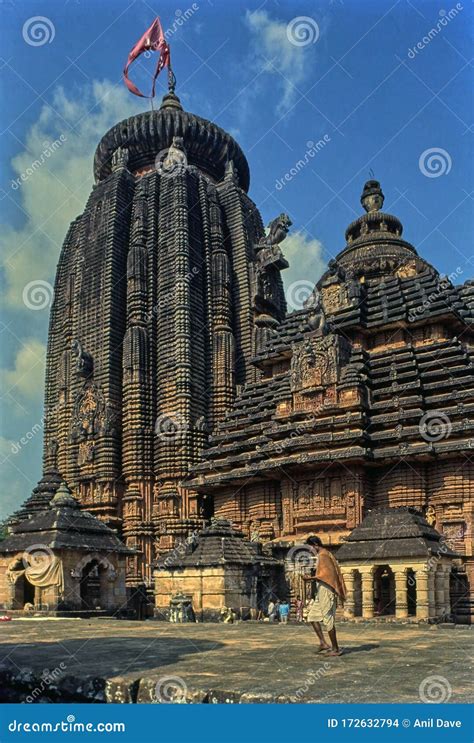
{"x": 62, "y": 559}
{"x": 216, "y": 569}
{"x": 396, "y": 565}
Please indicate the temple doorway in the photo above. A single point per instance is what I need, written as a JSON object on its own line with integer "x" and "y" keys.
{"x": 90, "y": 586}
{"x": 384, "y": 591}
{"x": 411, "y": 592}
{"x": 24, "y": 593}
{"x": 357, "y": 594}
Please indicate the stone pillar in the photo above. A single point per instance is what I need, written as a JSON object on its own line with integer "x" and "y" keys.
{"x": 401, "y": 595}
{"x": 349, "y": 604}
{"x": 422, "y": 594}
{"x": 431, "y": 593}
{"x": 440, "y": 602}
{"x": 367, "y": 574}
{"x": 425, "y": 593}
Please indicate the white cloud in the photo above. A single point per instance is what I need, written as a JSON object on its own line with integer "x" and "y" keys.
{"x": 56, "y": 191}
{"x": 305, "y": 256}
{"x": 28, "y": 369}
{"x": 16, "y": 485}
{"x": 288, "y": 62}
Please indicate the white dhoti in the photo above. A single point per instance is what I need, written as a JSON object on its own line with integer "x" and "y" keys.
{"x": 323, "y": 607}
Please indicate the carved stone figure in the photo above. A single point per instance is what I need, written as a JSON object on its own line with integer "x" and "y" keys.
{"x": 175, "y": 157}
{"x": 278, "y": 229}
{"x": 372, "y": 197}
{"x": 84, "y": 360}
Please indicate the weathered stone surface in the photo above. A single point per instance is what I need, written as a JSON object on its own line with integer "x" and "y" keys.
{"x": 245, "y": 663}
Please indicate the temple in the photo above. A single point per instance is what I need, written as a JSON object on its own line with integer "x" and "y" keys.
{"x": 179, "y": 389}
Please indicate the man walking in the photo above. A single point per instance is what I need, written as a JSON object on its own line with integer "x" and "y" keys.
{"x": 329, "y": 587}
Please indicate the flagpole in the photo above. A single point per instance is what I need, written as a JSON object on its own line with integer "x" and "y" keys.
{"x": 171, "y": 79}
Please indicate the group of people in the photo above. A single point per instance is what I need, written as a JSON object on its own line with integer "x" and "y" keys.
{"x": 327, "y": 589}
{"x": 277, "y": 611}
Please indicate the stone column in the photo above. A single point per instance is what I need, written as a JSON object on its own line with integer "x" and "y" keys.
{"x": 349, "y": 605}
{"x": 440, "y": 602}
{"x": 425, "y": 593}
{"x": 367, "y": 574}
{"x": 422, "y": 593}
{"x": 431, "y": 593}
{"x": 401, "y": 595}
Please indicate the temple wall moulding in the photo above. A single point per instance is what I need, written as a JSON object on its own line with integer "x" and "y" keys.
{"x": 322, "y": 502}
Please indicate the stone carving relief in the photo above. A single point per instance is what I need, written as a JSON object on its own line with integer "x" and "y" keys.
{"x": 317, "y": 362}
{"x": 91, "y": 418}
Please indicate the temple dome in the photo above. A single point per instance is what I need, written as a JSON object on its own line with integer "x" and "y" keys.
{"x": 374, "y": 245}
{"x": 145, "y": 135}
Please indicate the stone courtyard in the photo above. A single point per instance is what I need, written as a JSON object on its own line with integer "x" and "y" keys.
{"x": 102, "y": 660}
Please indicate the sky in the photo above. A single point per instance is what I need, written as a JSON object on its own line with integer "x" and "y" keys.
{"x": 351, "y": 89}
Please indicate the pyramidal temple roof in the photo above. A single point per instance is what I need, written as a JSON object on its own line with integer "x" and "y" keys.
{"x": 393, "y": 532}
{"x": 218, "y": 544}
{"x": 63, "y": 525}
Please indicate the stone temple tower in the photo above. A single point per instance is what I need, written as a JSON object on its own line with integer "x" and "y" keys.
{"x": 166, "y": 287}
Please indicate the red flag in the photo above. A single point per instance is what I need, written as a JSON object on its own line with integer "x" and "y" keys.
{"x": 152, "y": 40}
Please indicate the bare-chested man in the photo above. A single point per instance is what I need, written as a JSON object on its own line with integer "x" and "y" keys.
{"x": 329, "y": 587}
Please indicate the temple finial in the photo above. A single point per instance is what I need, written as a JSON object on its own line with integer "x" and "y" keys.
{"x": 171, "y": 80}
{"x": 170, "y": 99}
{"x": 372, "y": 196}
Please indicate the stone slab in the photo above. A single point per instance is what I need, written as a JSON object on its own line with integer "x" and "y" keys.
{"x": 124, "y": 661}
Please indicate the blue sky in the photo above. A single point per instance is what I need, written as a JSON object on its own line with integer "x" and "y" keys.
{"x": 387, "y": 86}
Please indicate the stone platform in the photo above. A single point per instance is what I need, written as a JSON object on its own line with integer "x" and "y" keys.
{"x": 123, "y": 661}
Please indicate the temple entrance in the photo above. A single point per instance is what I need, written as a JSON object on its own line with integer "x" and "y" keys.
{"x": 461, "y": 605}
{"x": 384, "y": 591}
{"x": 90, "y": 586}
{"x": 24, "y": 593}
{"x": 357, "y": 594}
{"x": 411, "y": 592}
